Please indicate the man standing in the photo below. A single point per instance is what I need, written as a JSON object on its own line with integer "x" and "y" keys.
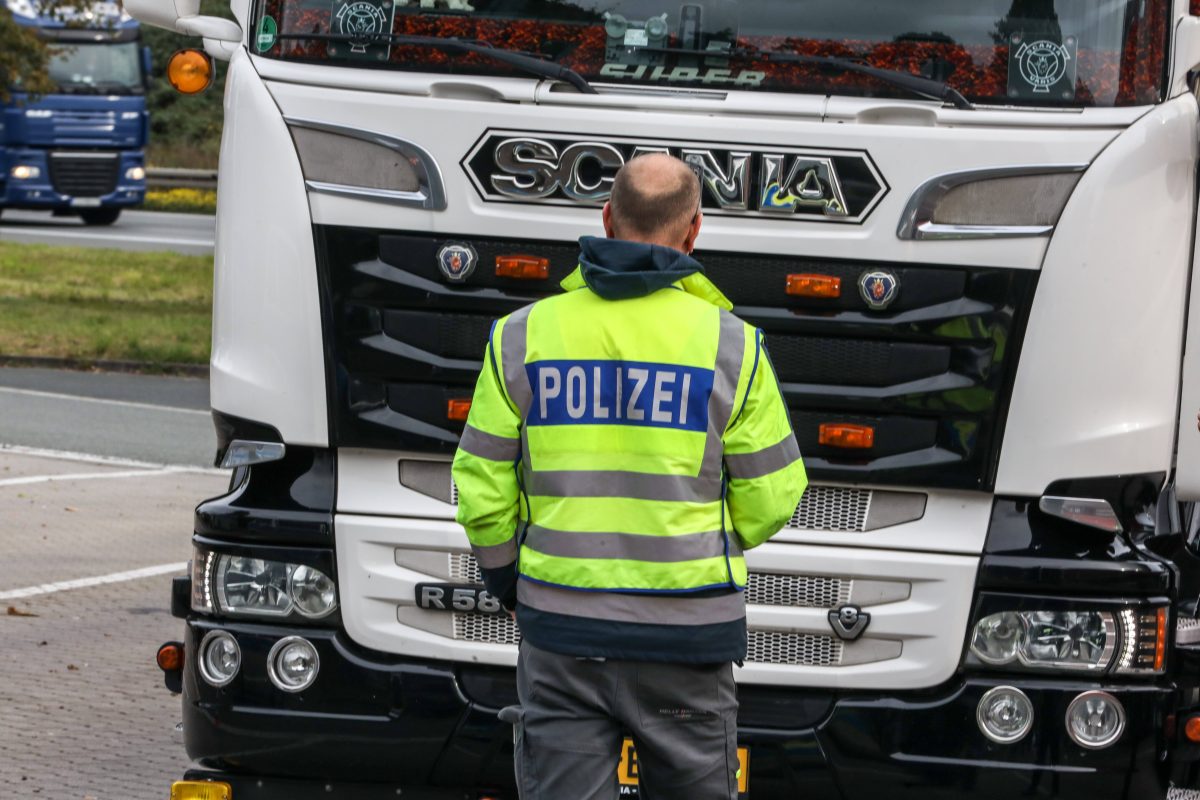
{"x": 626, "y": 442}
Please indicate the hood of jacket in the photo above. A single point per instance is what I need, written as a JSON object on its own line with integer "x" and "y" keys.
{"x": 619, "y": 270}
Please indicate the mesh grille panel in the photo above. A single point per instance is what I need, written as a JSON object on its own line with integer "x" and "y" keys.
{"x": 807, "y": 591}
{"x": 464, "y": 568}
{"x": 832, "y": 508}
{"x": 488, "y": 628}
{"x": 770, "y": 647}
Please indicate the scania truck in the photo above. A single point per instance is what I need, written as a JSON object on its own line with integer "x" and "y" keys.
{"x": 967, "y": 229}
{"x": 79, "y": 150}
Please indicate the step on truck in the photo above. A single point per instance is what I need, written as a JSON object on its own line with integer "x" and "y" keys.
{"x": 78, "y": 150}
{"x": 967, "y": 230}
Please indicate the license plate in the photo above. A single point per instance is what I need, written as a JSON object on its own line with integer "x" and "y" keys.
{"x": 457, "y": 597}
{"x": 85, "y": 202}
{"x": 627, "y": 771}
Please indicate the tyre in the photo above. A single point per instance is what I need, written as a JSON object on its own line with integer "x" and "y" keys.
{"x": 100, "y": 216}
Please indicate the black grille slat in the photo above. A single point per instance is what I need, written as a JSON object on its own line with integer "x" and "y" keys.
{"x": 83, "y": 176}
{"x": 930, "y": 374}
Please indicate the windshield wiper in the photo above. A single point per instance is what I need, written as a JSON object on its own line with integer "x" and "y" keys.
{"x": 916, "y": 84}
{"x": 526, "y": 63}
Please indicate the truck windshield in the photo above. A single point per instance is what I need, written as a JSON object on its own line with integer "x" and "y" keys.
{"x": 108, "y": 68}
{"x": 1065, "y": 53}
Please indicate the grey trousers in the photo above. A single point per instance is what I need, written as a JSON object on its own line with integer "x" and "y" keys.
{"x": 575, "y": 713}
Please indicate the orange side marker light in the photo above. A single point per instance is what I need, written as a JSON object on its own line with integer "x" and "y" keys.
{"x": 523, "y": 267}
{"x": 846, "y": 436}
{"x": 809, "y": 285}
{"x": 190, "y": 71}
{"x": 170, "y": 657}
{"x": 458, "y": 410}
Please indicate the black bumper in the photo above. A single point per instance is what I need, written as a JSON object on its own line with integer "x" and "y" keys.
{"x": 373, "y": 723}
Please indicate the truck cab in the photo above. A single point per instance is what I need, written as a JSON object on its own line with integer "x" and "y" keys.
{"x": 79, "y": 150}
{"x": 967, "y": 230}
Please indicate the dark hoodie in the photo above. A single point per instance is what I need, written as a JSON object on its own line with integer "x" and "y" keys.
{"x": 620, "y": 270}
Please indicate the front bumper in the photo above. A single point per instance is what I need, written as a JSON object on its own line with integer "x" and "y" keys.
{"x": 372, "y": 724}
{"x": 41, "y": 193}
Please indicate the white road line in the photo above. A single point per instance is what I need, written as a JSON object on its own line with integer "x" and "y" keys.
{"x": 111, "y": 461}
{"x": 43, "y": 232}
{"x": 87, "y": 476}
{"x": 99, "y": 580}
{"x": 103, "y": 400}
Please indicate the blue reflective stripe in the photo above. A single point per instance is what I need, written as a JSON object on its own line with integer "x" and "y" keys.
{"x": 758, "y": 338}
{"x": 635, "y": 393}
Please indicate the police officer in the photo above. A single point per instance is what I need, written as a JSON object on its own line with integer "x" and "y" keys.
{"x": 626, "y": 443}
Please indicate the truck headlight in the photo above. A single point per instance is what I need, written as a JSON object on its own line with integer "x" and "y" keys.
{"x": 247, "y": 586}
{"x": 25, "y": 172}
{"x": 135, "y": 174}
{"x": 1126, "y": 640}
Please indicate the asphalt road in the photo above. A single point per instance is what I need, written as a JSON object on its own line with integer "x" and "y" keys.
{"x": 161, "y": 420}
{"x": 88, "y": 546}
{"x": 135, "y": 230}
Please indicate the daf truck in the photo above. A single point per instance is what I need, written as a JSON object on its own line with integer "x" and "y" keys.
{"x": 967, "y": 229}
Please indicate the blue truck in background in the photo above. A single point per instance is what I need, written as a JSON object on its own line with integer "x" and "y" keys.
{"x": 79, "y": 150}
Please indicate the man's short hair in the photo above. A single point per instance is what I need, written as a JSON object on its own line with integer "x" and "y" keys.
{"x": 651, "y": 195}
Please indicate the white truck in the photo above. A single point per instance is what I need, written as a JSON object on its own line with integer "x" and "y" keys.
{"x": 967, "y": 230}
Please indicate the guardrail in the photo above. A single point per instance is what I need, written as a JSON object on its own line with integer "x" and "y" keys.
{"x": 172, "y": 178}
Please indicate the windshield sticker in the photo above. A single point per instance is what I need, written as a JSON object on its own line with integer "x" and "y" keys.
{"x": 362, "y": 19}
{"x": 266, "y": 35}
{"x": 1041, "y": 69}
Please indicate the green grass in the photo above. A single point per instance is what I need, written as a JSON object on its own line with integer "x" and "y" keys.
{"x": 89, "y": 304}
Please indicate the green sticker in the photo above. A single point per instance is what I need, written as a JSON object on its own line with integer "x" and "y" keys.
{"x": 267, "y": 31}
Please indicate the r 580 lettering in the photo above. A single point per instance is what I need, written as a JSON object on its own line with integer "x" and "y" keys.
{"x": 457, "y": 597}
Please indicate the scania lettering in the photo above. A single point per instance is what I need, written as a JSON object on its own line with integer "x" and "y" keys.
{"x": 79, "y": 149}
{"x": 967, "y": 231}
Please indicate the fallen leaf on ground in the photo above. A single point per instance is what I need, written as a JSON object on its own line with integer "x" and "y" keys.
{"x": 13, "y": 611}
{"x": 72, "y": 668}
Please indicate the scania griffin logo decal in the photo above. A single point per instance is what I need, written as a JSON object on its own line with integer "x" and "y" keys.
{"x": 769, "y": 183}
{"x": 457, "y": 261}
{"x": 878, "y": 288}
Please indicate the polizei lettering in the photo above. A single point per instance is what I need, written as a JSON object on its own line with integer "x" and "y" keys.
{"x": 838, "y": 186}
{"x": 619, "y": 393}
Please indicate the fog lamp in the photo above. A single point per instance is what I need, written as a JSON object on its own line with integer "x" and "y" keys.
{"x": 25, "y": 172}
{"x": 312, "y": 592}
{"x": 135, "y": 174}
{"x": 1004, "y": 715}
{"x": 1095, "y": 720}
{"x": 220, "y": 658}
{"x": 292, "y": 664}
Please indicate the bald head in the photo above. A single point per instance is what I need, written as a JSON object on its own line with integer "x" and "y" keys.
{"x": 655, "y": 199}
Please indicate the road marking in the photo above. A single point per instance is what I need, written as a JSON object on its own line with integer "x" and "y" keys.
{"x": 99, "y": 580}
{"x": 88, "y": 476}
{"x": 94, "y": 237}
{"x": 110, "y": 461}
{"x": 104, "y": 400}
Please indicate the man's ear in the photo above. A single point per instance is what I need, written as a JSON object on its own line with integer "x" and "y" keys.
{"x": 689, "y": 244}
{"x": 606, "y": 215}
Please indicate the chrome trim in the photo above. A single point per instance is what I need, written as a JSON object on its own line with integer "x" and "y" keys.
{"x": 205, "y": 644}
{"x": 979, "y": 716}
{"x": 92, "y": 154}
{"x": 273, "y": 674}
{"x": 432, "y": 194}
{"x": 916, "y": 221}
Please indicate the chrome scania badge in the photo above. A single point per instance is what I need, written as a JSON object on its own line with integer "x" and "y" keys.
{"x": 878, "y": 288}
{"x": 457, "y": 261}
{"x": 849, "y": 622}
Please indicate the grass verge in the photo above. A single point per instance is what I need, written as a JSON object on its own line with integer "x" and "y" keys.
{"x": 82, "y": 303}
{"x": 188, "y": 201}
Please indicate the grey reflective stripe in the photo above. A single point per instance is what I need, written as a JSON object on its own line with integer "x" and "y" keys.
{"x": 765, "y": 461}
{"x": 635, "y": 546}
{"x": 657, "y": 609}
{"x": 512, "y": 358}
{"x": 731, "y": 351}
{"x": 496, "y": 555}
{"x": 488, "y": 445}
{"x": 633, "y": 485}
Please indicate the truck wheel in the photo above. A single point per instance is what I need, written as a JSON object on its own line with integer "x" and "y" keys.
{"x": 100, "y": 216}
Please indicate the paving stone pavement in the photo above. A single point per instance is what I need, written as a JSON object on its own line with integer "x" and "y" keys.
{"x": 83, "y": 710}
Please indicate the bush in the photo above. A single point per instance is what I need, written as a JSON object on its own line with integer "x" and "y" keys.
{"x": 188, "y": 201}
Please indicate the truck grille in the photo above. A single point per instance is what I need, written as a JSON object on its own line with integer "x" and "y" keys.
{"x": 931, "y": 374}
{"x": 764, "y": 588}
{"x": 84, "y": 175}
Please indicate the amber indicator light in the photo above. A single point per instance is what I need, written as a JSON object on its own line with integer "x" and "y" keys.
{"x": 458, "y": 410}
{"x": 1191, "y": 729}
{"x": 849, "y": 437}
{"x": 809, "y": 285}
{"x": 170, "y": 657}
{"x": 190, "y": 71}
{"x": 1160, "y": 645}
{"x": 528, "y": 268}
